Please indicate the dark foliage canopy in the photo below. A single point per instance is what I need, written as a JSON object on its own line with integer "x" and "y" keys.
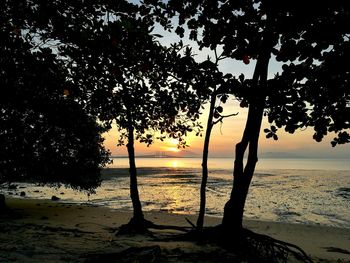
{"x": 63, "y": 63}
{"x": 46, "y": 136}
{"x": 311, "y": 40}
{"x": 118, "y": 67}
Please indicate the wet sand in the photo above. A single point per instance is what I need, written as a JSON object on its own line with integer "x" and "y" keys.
{"x": 52, "y": 231}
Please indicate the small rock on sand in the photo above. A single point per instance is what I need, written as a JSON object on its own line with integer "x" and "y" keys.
{"x": 55, "y": 198}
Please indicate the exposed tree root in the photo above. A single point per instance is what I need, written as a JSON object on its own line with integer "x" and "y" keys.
{"x": 135, "y": 226}
{"x": 142, "y": 226}
{"x": 165, "y": 227}
{"x": 267, "y": 249}
{"x": 249, "y": 246}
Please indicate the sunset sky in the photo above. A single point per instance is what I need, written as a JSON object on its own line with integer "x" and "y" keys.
{"x": 225, "y": 137}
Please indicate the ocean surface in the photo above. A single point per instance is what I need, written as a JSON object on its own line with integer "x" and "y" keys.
{"x": 307, "y": 191}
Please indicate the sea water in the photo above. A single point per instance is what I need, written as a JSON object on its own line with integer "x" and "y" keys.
{"x": 307, "y": 191}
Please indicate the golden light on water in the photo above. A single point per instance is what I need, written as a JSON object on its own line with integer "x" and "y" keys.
{"x": 174, "y": 164}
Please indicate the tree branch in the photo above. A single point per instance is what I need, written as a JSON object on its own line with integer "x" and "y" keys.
{"x": 223, "y": 117}
{"x": 216, "y": 57}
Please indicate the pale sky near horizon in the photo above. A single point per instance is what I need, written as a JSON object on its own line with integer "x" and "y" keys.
{"x": 225, "y": 137}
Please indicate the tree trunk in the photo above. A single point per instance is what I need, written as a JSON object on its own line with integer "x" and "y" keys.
{"x": 134, "y": 193}
{"x": 200, "y": 219}
{"x": 234, "y": 208}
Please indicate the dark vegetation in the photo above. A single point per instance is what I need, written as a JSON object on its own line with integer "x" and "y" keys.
{"x": 46, "y": 135}
{"x": 71, "y": 70}
{"x": 312, "y": 89}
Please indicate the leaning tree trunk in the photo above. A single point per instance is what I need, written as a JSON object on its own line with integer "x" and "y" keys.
{"x": 200, "y": 219}
{"x": 134, "y": 192}
{"x": 234, "y": 208}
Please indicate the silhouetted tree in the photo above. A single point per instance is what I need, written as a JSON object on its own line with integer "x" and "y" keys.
{"x": 210, "y": 85}
{"x": 155, "y": 104}
{"x": 119, "y": 73}
{"x": 45, "y": 135}
{"x": 215, "y": 86}
{"x": 311, "y": 39}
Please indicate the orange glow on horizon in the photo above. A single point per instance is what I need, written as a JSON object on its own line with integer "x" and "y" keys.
{"x": 172, "y": 149}
{"x": 224, "y": 138}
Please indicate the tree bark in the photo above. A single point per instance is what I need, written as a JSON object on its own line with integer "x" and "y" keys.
{"x": 200, "y": 219}
{"x": 234, "y": 208}
{"x": 134, "y": 192}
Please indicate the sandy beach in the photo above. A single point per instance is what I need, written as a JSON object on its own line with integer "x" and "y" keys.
{"x": 52, "y": 231}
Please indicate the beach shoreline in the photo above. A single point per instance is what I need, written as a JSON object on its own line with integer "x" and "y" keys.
{"x": 293, "y": 196}
{"x": 36, "y": 229}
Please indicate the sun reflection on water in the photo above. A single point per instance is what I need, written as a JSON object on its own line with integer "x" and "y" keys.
{"x": 174, "y": 163}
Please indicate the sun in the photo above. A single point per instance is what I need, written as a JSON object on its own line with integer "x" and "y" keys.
{"x": 171, "y": 145}
{"x": 173, "y": 149}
